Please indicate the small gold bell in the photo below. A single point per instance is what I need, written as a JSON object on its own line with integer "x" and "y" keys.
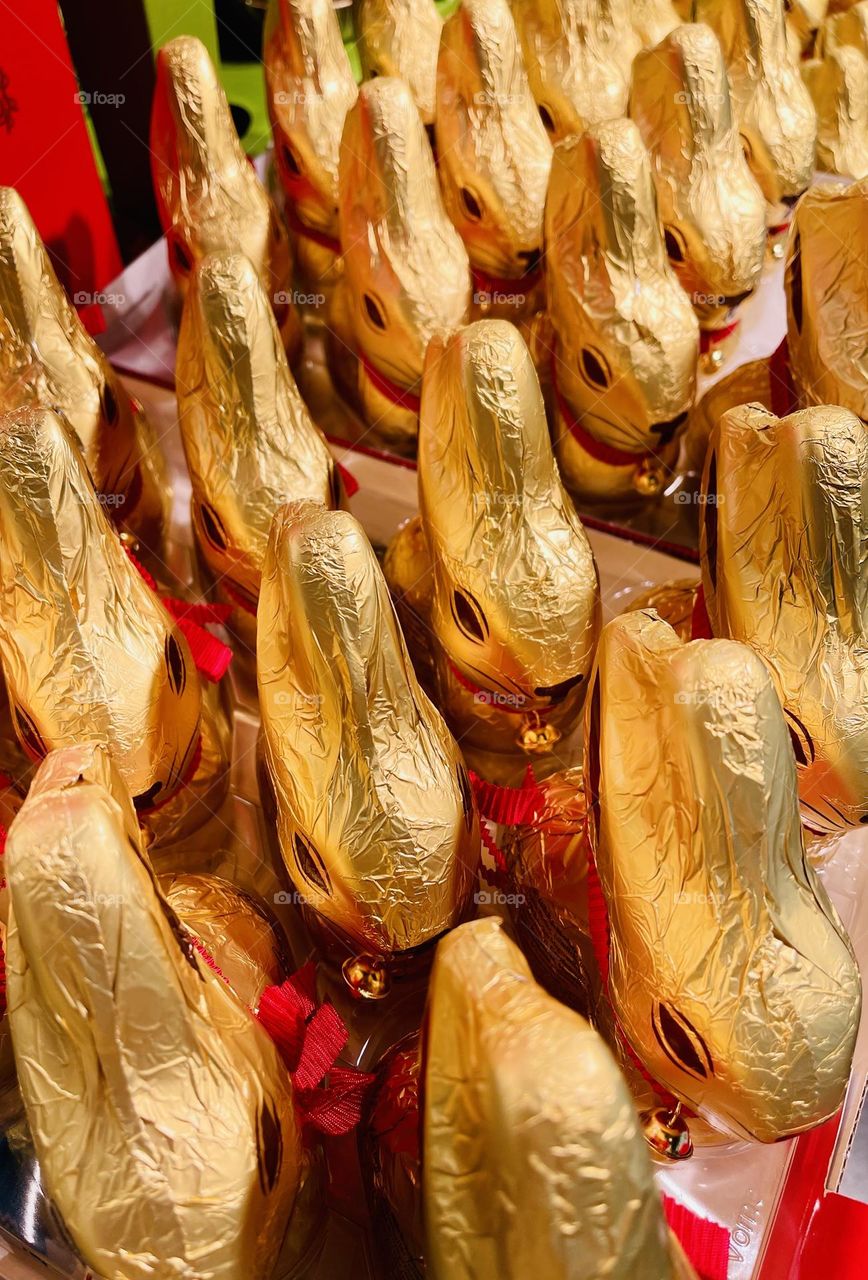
{"x": 711, "y": 360}
{"x": 648, "y": 478}
{"x": 666, "y": 1132}
{"x": 366, "y": 977}
{"x": 778, "y": 247}
{"x": 535, "y": 735}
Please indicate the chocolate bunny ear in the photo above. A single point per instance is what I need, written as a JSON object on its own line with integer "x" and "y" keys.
{"x": 838, "y": 85}
{"x": 375, "y": 815}
{"x": 728, "y": 971}
{"x": 249, "y": 440}
{"x": 578, "y": 55}
{"x": 555, "y": 1179}
{"x": 623, "y": 367}
{"x": 401, "y": 38}
{"x": 87, "y": 648}
{"x": 121, "y": 1029}
{"x": 784, "y": 554}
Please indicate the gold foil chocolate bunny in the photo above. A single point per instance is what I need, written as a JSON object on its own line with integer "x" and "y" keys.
{"x": 838, "y": 84}
{"x": 653, "y": 20}
{"x": 375, "y": 814}
{"x": 625, "y": 338}
{"x": 785, "y": 544}
{"x": 310, "y": 89}
{"x": 249, "y": 440}
{"x": 401, "y": 38}
{"x": 494, "y": 156}
{"x": 578, "y": 55}
{"x": 87, "y": 648}
{"x": 495, "y": 579}
{"x": 122, "y": 1030}
{"x": 208, "y": 195}
{"x": 406, "y": 274}
{"x": 48, "y": 358}
{"x": 712, "y": 211}
{"x": 772, "y": 106}
{"x": 728, "y": 972}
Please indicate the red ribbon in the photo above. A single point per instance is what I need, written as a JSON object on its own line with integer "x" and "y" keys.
{"x": 476, "y": 689}
{"x": 211, "y": 656}
{"x": 597, "y": 449}
{"x": 508, "y": 806}
{"x": 484, "y": 283}
{"x": 351, "y": 484}
{"x": 783, "y": 392}
{"x": 394, "y": 394}
{"x": 706, "y": 1243}
{"x": 322, "y": 238}
{"x": 709, "y": 338}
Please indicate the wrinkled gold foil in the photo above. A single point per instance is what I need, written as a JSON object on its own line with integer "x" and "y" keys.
{"x": 772, "y": 107}
{"x": 208, "y": 195}
{"x": 310, "y": 88}
{"x": 785, "y": 548}
{"x": 653, "y": 20}
{"x": 578, "y": 55}
{"x": 494, "y": 154}
{"x": 849, "y": 27}
{"x": 406, "y": 273}
{"x": 627, "y": 340}
{"x": 729, "y": 971}
{"x": 533, "y": 1161}
{"x": 249, "y": 440}
{"x": 672, "y": 601}
{"x": 839, "y": 88}
{"x": 140, "y": 1070}
{"x": 511, "y": 610}
{"x": 47, "y": 358}
{"x": 712, "y": 211}
{"x": 401, "y": 38}
{"x": 374, "y": 810}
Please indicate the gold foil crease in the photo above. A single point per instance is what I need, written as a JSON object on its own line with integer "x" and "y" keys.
{"x": 847, "y": 28}
{"x": 141, "y": 1072}
{"x": 401, "y": 38}
{"x": 839, "y": 88}
{"x": 627, "y": 338}
{"x": 533, "y": 1161}
{"x": 374, "y": 810}
{"x": 653, "y": 20}
{"x": 729, "y": 971}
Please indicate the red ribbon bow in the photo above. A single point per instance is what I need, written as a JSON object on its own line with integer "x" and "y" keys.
{"x": 211, "y": 656}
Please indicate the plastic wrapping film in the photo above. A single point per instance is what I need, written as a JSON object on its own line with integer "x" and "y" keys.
{"x": 140, "y": 1070}
{"x": 374, "y": 810}
{"x": 494, "y": 156}
{"x": 406, "y": 273}
{"x": 728, "y": 970}
{"x": 712, "y": 211}
{"x": 401, "y": 38}
{"x": 625, "y": 339}
{"x": 578, "y": 55}
{"x": 785, "y": 521}
{"x": 509, "y": 611}
{"x": 773, "y": 110}
{"x": 838, "y": 85}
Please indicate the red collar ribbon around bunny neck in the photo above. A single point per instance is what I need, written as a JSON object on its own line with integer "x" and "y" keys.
{"x": 598, "y": 449}
{"x": 211, "y": 656}
{"x": 309, "y": 1037}
{"x": 322, "y": 238}
{"x": 710, "y": 338}
{"x": 400, "y": 396}
{"x": 515, "y": 286}
{"x": 484, "y": 695}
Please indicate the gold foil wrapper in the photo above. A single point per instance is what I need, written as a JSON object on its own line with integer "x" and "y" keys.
{"x": 785, "y": 549}
{"x": 804, "y": 22}
{"x": 494, "y": 154}
{"x": 673, "y": 602}
{"x": 406, "y": 272}
{"x": 375, "y": 814}
{"x": 512, "y": 609}
{"x": 627, "y": 341}
{"x": 653, "y": 20}
{"x": 534, "y": 1163}
{"x": 208, "y": 195}
{"x": 401, "y": 38}
{"x": 846, "y": 28}
{"x": 48, "y": 359}
{"x": 729, "y": 972}
{"x": 772, "y": 106}
{"x": 140, "y": 1070}
{"x": 712, "y": 211}
{"x": 839, "y": 88}
{"x": 578, "y": 55}
{"x": 249, "y": 440}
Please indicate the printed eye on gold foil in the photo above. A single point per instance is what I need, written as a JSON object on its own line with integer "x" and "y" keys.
{"x": 310, "y": 88}
{"x": 533, "y": 1160}
{"x": 623, "y": 368}
{"x": 503, "y": 596}
{"x": 771, "y": 105}
{"x": 578, "y": 55}
{"x": 401, "y": 38}
{"x": 88, "y": 650}
{"x": 375, "y": 814}
{"x": 47, "y": 357}
{"x": 208, "y": 195}
{"x": 494, "y": 156}
{"x": 785, "y": 549}
{"x": 729, "y": 973}
{"x": 838, "y": 85}
{"x": 712, "y": 210}
{"x": 249, "y": 440}
{"x": 406, "y": 272}
{"x": 120, "y": 1029}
